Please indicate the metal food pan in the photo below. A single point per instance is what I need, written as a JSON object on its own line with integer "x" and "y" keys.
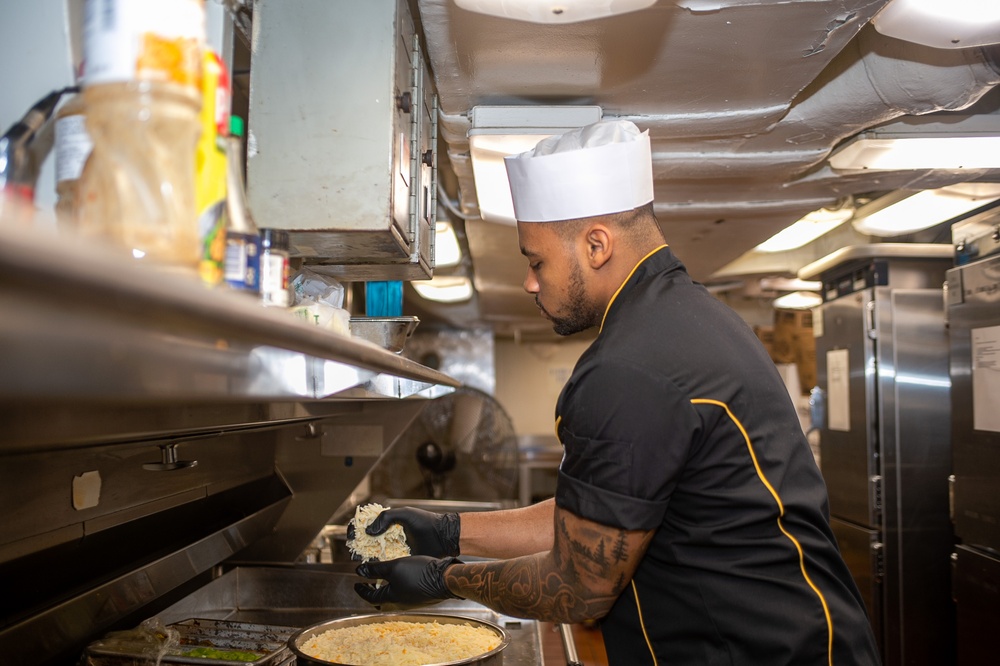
{"x": 492, "y": 658}
{"x": 270, "y": 642}
{"x": 390, "y": 333}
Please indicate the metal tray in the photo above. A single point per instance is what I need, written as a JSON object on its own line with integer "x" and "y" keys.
{"x": 390, "y": 333}
{"x": 270, "y": 642}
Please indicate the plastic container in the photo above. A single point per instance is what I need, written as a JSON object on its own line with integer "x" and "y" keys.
{"x": 384, "y": 298}
{"x": 142, "y": 95}
{"x": 274, "y": 268}
{"x": 242, "y": 266}
{"x": 72, "y": 148}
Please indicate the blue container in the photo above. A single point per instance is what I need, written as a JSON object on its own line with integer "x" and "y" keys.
{"x": 384, "y": 299}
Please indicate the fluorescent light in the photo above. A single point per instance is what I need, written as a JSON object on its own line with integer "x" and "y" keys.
{"x": 498, "y": 131}
{"x": 956, "y": 152}
{"x": 953, "y": 24}
{"x": 789, "y": 284}
{"x": 798, "y": 300}
{"x": 490, "y": 174}
{"x": 553, "y": 11}
{"x": 446, "y": 249}
{"x": 807, "y": 229}
{"x": 924, "y": 142}
{"x": 902, "y": 212}
{"x": 444, "y": 288}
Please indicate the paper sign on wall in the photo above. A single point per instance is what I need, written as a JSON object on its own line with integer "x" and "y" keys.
{"x": 986, "y": 378}
{"x": 838, "y": 390}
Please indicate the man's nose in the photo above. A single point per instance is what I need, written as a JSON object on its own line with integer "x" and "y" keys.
{"x": 530, "y": 283}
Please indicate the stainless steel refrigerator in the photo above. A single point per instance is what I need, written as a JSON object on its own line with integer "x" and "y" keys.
{"x": 974, "y": 330}
{"x": 883, "y": 384}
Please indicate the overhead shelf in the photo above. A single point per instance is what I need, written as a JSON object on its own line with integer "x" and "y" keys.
{"x": 82, "y": 322}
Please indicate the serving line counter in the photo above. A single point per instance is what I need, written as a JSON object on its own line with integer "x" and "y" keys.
{"x": 169, "y": 449}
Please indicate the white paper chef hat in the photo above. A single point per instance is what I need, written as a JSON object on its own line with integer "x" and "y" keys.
{"x": 594, "y": 170}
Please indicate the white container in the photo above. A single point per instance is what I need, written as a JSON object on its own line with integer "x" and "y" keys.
{"x": 128, "y": 40}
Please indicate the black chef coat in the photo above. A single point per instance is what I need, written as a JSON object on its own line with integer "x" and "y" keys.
{"x": 676, "y": 420}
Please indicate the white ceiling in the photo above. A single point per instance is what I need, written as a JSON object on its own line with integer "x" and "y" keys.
{"x": 743, "y": 99}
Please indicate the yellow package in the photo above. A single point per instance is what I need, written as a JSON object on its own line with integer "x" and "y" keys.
{"x": 210, "y": 168}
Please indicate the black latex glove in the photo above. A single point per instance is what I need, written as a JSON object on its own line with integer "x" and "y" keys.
{"x": 427, "y": 533}
{"x": 409, "y": 581}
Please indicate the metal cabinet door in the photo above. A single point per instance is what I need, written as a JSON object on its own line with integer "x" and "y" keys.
{"x": 974, "y": 318}
{"x": 845, "y": 371}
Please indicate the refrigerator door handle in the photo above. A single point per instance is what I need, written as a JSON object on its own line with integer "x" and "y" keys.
{"x": 951, "y": 498}
{"x": 870, "y": 327}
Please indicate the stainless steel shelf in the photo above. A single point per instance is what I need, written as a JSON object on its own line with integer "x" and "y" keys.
{"x": 82, "y": 322}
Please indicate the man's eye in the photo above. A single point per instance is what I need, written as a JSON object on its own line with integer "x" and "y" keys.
{"x": 534, "y": 266}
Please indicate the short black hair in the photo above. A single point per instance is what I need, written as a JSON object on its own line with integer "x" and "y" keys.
{"x": 637, "y": 225}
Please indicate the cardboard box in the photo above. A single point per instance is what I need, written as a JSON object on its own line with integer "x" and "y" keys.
{"x": 794, "y": 343}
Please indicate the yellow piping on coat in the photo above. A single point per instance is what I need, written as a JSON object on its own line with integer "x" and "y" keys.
{"x": 781, "y": 513}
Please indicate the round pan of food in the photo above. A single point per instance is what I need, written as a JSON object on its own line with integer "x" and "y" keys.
{"x": 400, "y": 639}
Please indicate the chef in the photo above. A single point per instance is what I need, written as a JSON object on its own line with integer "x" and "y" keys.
{"x": 689, "y": 517}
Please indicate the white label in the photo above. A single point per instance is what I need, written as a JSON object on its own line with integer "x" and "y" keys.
{"x": 986, "y": 378}
{"x": 838, "y": 396}
{"x": 124, "y": 40}
{"x": 73, "y": 146}
{"x": 86, "y": 490}
{"x": 273, "y": 283}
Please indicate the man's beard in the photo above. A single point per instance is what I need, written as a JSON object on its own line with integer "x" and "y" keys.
{"x": 582, "y": 314}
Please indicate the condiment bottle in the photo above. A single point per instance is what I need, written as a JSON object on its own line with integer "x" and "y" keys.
{"x": 274, "y": 268}
{"x": 141, "y": 89}
{"x": 242, "y": 268}
{"x": 72, "y": 148}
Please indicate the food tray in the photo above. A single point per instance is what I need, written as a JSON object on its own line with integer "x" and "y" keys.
{"x": 269, "y": 642}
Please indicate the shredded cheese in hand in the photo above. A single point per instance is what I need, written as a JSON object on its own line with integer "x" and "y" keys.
{"x": 389, "y": 545}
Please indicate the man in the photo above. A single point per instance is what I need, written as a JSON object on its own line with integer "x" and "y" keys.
{"x": 689, "y": 515}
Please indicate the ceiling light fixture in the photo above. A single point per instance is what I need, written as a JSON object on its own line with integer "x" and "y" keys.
{"x": 957, "y": 142}
{"x": 907, "y": 211}
{"x": 808, "y": 229}
{"x": 954, "y": 24}
{"x": 446, "y": 249}
{"x": 789, "y": 284}
{"x": 553, "y": 11}
{"x": 444, "y": 288}
{"x": 798, "y": 300}
{"x": 498, "y": 131}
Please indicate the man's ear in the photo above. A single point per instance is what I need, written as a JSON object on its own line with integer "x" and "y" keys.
{"x": 599, "y": 245}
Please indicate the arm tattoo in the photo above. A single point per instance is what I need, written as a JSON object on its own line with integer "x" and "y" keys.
{"x": 580, "y": 578}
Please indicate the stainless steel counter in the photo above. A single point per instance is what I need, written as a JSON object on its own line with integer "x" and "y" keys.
{"x": 303, "y": 596}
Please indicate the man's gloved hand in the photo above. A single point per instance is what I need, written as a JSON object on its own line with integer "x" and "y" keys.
{"x": 410, "y": 581}
{"x": 427, "y": 533}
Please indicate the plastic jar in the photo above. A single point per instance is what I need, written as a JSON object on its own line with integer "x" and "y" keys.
{"x": 137, "y": 189}
{"x": 141, "y": 91}
{"x": 274, "y": 268}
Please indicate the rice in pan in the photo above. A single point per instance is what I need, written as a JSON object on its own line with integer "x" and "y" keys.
{"x": 397, "y": 643}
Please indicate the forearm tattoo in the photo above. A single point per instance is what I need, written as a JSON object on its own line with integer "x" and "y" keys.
{"x": 579, "y": 578}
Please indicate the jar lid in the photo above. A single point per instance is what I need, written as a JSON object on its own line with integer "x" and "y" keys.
{"x": 276, "y": 239}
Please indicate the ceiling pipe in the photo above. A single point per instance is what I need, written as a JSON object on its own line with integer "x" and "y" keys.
{"x": 877, "y": 79}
